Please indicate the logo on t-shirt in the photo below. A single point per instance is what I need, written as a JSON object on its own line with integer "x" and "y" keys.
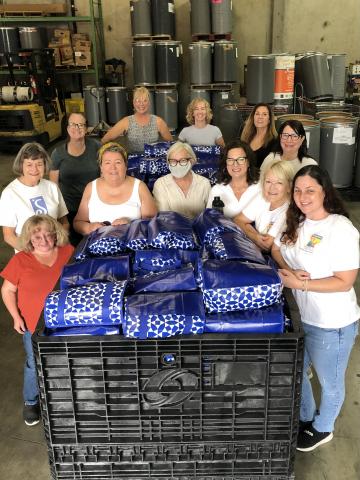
{"x": 315, "y": 239}
{"x": 39, "y": 206}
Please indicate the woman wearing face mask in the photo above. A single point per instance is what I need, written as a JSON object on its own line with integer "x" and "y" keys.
{"x": 182, "y": 190}
{"x": 290, "y": 146}
{"x": 259, "y": 132}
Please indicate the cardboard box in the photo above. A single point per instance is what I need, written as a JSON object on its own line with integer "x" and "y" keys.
{"x": 83, "y": 59}
{"x": 74, "y": 105}
{"x": 63, "y": 34}
{"x": 82, "y": 46}
{"x": 55, "y": 43}
{"x": 67, "y": 55}
{"x": 79, "y": 36}
{"x": 57, "y": 57}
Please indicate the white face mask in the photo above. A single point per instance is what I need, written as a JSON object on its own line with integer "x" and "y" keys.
{"x": 180, "y": 170}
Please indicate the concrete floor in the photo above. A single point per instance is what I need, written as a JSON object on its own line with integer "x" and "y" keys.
{"x": 23, "y": 453}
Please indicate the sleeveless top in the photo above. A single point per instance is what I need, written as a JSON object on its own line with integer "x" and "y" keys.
{"x": 138, "y": 135}
{"x": 100, "y": 211}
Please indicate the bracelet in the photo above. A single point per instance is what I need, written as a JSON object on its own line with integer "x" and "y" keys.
{"x": 304, "y": 285}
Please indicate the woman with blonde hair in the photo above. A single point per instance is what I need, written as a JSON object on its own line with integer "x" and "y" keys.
{"x": 268, "y": 209}
{"x": 259, "y": 131}
{"x": 200, "y": 132}
{"x": 182, "y": 190}
{"x": 115, "y": 198}
{"x": 29, "y": 277}
{"x": 140, "y": 128}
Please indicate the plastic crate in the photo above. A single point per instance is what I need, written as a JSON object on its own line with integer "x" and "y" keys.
{"x": 212, "y": 461}
{"x": 214, "y": 406}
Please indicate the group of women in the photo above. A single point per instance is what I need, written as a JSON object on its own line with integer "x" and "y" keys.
{"x": 290, "y": 209}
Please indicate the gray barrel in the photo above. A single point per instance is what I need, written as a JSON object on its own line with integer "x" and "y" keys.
{"x": 312, "y": 131}
{"x": 334, "y": 105}
{"x": 219, "y": 98}
{"x": 116, "y": 104}
{"x": 33, "y": 37}
{"x": 152, "y": 101}
{"x": 200, "y": 93}
{"x": 163, "y": 17}
{"x": 144, "y": 63}
{"x": 336, "y": 62}
{"x": 230, "y": 121}
{"x": 95, "y": 105}
{"x": 221, "y": 16}
{"x": 168, "y": 61}
{"x": 9, "y": 42}
{"x": 225, "y": 61}
{"x": 200, "y": 17}
{"x": 333, "y": 113}
{"x": 140, "y": 15}
{"x": 260, "y": 79}
{"x": 337, "y": 148}
{"x": 313, "y": 72}
{"x": 280, "y": 119}
{"x": 166, "y": 106}
{"x": 201, "y": 62}
{"x": 284, "y": 78}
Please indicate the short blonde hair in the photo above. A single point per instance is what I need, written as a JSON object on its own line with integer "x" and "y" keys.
{"x": 191, "y": 107}
{"x": 182, "y": 146}
{"x": 33, "y": 223}
{"x": 30, "y": 150}
{"x": 281, "y": 169}
{"x": 141, "y": 92}
{"x": 112, "y": 147}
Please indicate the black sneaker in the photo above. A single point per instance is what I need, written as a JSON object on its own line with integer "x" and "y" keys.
{"x": 31, "y": 414}
{"x": 304, "y": 425}
{"x": 310, "y": 438}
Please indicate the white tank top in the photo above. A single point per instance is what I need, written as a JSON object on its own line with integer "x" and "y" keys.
{"x": 101, "y": 212}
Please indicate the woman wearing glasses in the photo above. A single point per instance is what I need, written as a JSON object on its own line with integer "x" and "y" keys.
{"x": 237, "y": 178}
{"x": 290, "y": 146}
{"x": 182, "y": 190}
{"x": 115, "y": 198}
{"x": 268, "y": 210}
{"x": 140, "y": 128}
{"x": 74, "y": 165}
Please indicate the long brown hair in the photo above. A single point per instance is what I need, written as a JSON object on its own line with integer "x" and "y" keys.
{"x": 249, "y": 130}
{"x": 252, "y": 175}
{"x": 332, "y": 201}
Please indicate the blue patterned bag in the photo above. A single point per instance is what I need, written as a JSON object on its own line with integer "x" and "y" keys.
{"x": 103, "y": 269}
{"x": 209, "y": 223}
{"x": 81, "y": 330}
{"x": 107, "y": 241}
{"x": 157, "y": 149}
{"x": 134, "y": 166}
{"x": 99, "y": 303}
{"x": 207, "y": 154}
{"x": 136, "y": 235}
{"x": 156, "y": 167}
{"x": 170, "y": 230}
{"x": 207, "y": 171}
{"x": 163, "y": 315}
{"x": 264, "y": 320}
{"x": 235, "y": 246}
{"x": 179, "y": 280}
{"x": 233, "y": 285}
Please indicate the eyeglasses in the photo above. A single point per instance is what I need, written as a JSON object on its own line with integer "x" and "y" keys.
{"x": 182, "y": 161}
{"x": 238, "y": 161}
{"x": 80, "y": 126}
{"x": 291, "y": 136}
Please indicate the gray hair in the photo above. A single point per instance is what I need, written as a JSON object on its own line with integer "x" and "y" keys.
{"x": 182, "y": 146}
{"x": 31, "y": 150}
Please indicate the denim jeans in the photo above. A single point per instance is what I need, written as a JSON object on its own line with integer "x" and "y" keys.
{"x": 31, "y": 390}
{"x": 328, "y": 351}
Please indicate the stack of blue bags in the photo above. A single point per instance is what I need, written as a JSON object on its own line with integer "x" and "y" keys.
{"x": 166, "y": 276}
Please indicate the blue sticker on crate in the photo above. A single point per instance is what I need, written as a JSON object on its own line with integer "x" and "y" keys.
{"x": 98, "y": 303}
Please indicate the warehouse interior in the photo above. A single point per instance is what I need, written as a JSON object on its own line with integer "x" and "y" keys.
{"x": 259, "y": 27}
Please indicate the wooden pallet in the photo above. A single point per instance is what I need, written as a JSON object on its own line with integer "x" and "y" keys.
{"x": 211, "y": 37}
{"x": 213, "y": 86}
{"x": 148, "y": 38}
{"x": 28, "y": 9}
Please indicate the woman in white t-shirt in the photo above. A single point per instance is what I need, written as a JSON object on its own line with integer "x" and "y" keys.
{"x": 291, "y": 145}
{"x": 237, "y": 178}
{"x": 115, "y": 198}
{"x": 319, "y": 258}
{"x": 30, "y": 194}
{"x": 268, "y": 209}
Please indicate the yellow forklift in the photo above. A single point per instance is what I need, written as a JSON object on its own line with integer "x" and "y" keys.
{"x": 31, "y": 111}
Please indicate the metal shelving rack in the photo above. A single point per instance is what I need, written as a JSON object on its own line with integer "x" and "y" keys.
{"x": 96, "y": 34}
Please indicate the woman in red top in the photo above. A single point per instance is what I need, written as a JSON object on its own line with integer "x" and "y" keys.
{"x": 29, "y": 277}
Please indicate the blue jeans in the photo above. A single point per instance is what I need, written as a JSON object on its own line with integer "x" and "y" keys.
{"x": 31, "y": 389}
{"x": 328, "y": 351}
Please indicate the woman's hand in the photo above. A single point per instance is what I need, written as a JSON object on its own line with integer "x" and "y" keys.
{"x": 301, "y": 274}
{"x": 19, "y": 325}
{"x": 120, "y": 221}
{"x": 94, "y": 226}
{"x": 289, "y": 279}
